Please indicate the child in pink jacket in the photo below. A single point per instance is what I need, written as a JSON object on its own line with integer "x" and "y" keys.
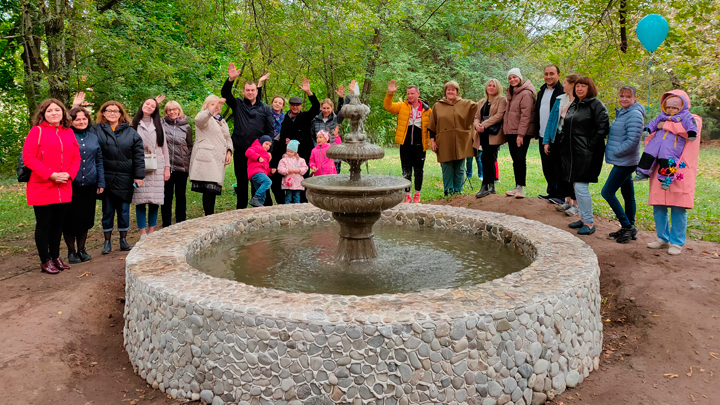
{"x": 292, "y": 167}
{"x": 320, "y": 164}
{"x": 258, "y": 169}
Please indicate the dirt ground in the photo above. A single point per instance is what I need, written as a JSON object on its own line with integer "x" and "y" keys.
{"x": 63, "y": 344}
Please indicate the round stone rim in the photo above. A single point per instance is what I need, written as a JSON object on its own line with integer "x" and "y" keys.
{"x": 561, "y": 263}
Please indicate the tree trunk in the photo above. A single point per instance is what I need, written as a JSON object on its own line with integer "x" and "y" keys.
{"x": 373, "y": 55}
{"x": 623, "y": 28}
{"x": 55, "y": 37}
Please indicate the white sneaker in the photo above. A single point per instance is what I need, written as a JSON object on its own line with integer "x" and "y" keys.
{"x": 572, "y": 211}
{"x": 520, "y": 193}
{"x": 674, "y": 249}
{"x": 658, "y": 244}
{"x": 511, "y": 193}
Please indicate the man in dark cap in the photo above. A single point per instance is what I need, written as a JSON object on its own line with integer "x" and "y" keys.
{"x": 295, "y": 126}
{"x": 252, "y": 119}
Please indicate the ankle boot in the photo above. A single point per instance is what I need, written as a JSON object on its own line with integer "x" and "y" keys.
{"x": 484, "y": 191}
{"x": 107, "y": 247}
{"x": 124, "y": 246}
{"x": 491, "y": 188}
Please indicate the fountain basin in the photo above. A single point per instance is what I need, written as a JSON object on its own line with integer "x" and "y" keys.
{"x": 521, "y": 336}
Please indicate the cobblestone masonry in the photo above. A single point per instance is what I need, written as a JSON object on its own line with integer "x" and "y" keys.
{"x": 516, "y": 340}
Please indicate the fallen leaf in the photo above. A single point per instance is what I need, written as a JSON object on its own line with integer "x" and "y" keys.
{"x": 690, "y": 373}
{"x": 714, "y": 356}
{"x": 656, "y": 316}
{"x": 87, "y": 273}
{"x": 59, "y": 312}
{"x": 670, "y": 375}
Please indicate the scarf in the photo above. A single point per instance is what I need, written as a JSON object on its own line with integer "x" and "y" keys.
{"x": 277, "y": 121}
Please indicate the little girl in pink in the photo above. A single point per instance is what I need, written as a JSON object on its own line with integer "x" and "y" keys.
{"x": 292, "y": 167}
{"x": 320, "y": 164}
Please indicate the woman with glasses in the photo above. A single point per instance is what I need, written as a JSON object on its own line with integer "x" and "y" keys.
{"x": 124, "y": 164}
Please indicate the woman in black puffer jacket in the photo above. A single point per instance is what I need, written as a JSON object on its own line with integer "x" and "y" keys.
{"x": 179, "y": 137}
{"x": 582, "y": 148}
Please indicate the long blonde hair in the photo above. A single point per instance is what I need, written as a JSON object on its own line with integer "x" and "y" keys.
{"x": 498, "y": 87}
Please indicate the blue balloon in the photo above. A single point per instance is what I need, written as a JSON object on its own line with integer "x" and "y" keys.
{"x": 652, "y": 31}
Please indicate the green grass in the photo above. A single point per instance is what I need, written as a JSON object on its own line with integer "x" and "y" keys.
{"x": 17, "y": 220}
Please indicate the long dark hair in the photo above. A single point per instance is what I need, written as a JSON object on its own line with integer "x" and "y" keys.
{"x": 155, "y": 116}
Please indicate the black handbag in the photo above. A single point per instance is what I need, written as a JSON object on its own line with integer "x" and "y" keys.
{"x": 492, "y": 129}
{"x": 23, "y": 172}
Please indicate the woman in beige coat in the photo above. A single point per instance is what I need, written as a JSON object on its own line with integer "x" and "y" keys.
{"x": 489, "y": 133}
{"x": 211, "y": 153}
{"x": 451, "y": 136}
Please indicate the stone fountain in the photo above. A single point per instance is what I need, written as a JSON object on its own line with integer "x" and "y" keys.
{"x": 355, "y": 201}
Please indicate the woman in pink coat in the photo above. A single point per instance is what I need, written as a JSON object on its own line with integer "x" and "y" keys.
{"x": 681, "y": 196}
{"x": 52, "y": 153}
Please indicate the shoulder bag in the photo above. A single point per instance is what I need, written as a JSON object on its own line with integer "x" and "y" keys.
{"x": 23, "y": 172}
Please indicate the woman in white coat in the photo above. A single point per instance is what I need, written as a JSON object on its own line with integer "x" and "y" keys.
{"x": 211, "y": 153}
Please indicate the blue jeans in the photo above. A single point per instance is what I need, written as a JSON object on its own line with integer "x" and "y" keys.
{"x": 111, "y": 205}
{"x": 262, "y": 184}
{"x": 479, "y": 165}
{"x": 453, "y": 175}
{"x": 678, "y": 216}
{"x": 292, "y": 196}
{"x": 140, "y": 213}
{"x": 619, "y": 178}
{"x": 584, "y": 200}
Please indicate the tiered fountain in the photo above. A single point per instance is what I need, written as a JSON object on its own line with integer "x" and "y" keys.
{"x": 355, "y": 202}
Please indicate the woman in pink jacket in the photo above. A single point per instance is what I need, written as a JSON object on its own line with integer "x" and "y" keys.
{"x": 52, "y": 153}
{"x": 320, "y": 164}
{"x": 681, "y": 196}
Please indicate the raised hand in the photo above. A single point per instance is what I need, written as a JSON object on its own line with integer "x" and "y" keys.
{"x": 340, "y": 91}
{"x": 79, "y": 99}
{"x": 159, "y": 99}
{"x": 262, "y": 79}
{"x": 232, "y": 72}
{"x": 306, "y": 86}
{"x": 392, "y": 88}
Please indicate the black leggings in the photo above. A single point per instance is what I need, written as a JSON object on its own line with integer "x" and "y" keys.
{"x": 412, "y": 159}
{"x": 489, "y": 160}
{"x": 519, "y": 157}
{"x": 48, "y": 229}
{"x": 208, "y": 201}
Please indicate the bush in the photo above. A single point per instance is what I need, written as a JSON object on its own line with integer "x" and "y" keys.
{"x": 14, "y": 126}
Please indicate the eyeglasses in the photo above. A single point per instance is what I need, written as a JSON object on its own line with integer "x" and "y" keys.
{"x": 112, "y": 111}
{"x": 173, "y": 109}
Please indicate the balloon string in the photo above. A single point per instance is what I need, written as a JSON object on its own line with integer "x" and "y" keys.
{"x": 649, "y": 82}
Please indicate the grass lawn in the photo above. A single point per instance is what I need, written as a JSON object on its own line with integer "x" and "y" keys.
{"x": 17, "y": 220}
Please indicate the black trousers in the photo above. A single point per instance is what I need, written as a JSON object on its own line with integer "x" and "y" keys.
{"x": 489, "y": 160}
{"x": 412, "y": 159}
{"x": 564, "y": 188}
{"x": 208, "y": 202}
{"x": 519, "y": 157}
{"x": 276, "y": 189}
{"x": 49, "y": 221}
{"x": 550, "y": 173}
{"x": 177, "y": 186}
{"x": 241, "y": 177}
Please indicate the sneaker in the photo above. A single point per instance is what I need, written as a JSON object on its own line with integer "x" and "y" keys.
{"x": 572, "y": 211}
{"x": 640, "y": 177}
{"x": 556, "y": 201}
{"x": 674, "y": 249}
{"x": 544, "y": 197}
{"x": 416, "y": 198}
{"x": 73, "y": 258}
{"x": 511, "y": 193}
{"x": 562, "y": 207}
{"x": 576, "y": 224}
{"x": 408, "y": 199}
{"x": 255, "y": 202}
{"x": 520, "y": 193}
{"x": 586, "y": 230}
{"x": 658, "y": 244}
{"x": 627, "y": 234}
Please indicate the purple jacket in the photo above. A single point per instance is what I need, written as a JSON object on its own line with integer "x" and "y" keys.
{"x": 684, "y": 117}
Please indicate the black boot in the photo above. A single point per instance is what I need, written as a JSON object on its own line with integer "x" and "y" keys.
{"x": 627, "y": 234}
{"x": 124, "y": 246}
{"x": 491, "y": 188}
{"x": 484, "y": 191}
{"x": 73, "y": 258}
{"x": 107, "y": 247}
{"x": 84, "y": 256}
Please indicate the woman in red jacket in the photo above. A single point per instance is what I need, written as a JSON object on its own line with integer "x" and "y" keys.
{"x": 52, "y": 153}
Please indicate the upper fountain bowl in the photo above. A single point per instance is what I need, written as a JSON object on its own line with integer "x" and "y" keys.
{"x": 355, "y": 151}
{"x": 372, "y": 193}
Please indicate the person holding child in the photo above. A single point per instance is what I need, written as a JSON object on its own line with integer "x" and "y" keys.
{"x": 292, "y": 167}
{"x": 678, "y": 194}
{"x": 258, "y": 168}
{"x": 320, "y": 164}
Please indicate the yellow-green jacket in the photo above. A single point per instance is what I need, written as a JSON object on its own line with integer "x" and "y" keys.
{"x": 402, "y": 110}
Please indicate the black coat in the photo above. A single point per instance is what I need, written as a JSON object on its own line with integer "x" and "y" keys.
{"x": 251, "y": 121}
{"x": 299, "y": 129}
{"x": 582, "y": 140}
{"x": 557, "y": 91}
{"x": 123, "y": 158}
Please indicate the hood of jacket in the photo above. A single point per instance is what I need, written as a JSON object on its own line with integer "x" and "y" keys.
{"x": 634, "y": 107}
{"x": 677, "y": 93}
{"x": 525, "y": 86}
{"x": 446, "y": 101}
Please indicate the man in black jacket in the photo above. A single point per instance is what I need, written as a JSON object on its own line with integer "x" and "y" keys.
{"x": 545, "y": 99}
{"x": 252, "y": 119}
{"x": 296, "y": 126}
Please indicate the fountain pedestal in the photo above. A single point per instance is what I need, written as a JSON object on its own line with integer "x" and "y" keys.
{"x": 355, "y": 201}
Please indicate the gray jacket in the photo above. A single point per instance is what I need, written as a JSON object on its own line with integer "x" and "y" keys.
{"x": 179, "y": 139}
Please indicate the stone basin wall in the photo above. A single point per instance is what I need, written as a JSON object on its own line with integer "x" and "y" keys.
{"x": 517, "y": 340}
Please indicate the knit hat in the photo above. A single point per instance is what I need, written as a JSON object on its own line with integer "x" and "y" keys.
{"x": 293, "y": 145}
{"x": 265, "y": 138}
{"x": 516, "y": 72}
{"x": 325, "y": 133}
